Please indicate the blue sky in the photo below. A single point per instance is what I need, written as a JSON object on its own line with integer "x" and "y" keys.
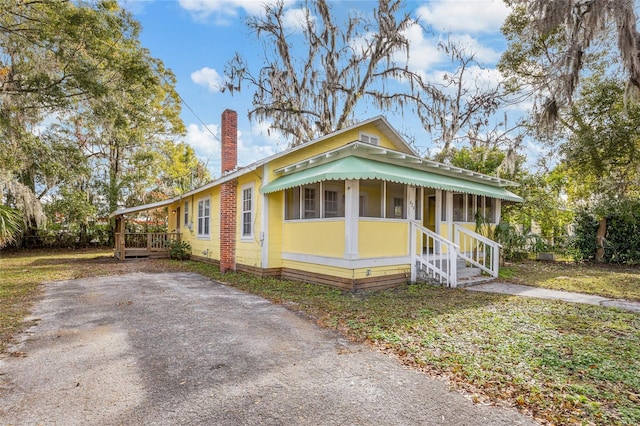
{"x": 196, "y": 38}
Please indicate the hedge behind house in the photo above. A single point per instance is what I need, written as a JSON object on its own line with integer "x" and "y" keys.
{"x": 622, "y": 238}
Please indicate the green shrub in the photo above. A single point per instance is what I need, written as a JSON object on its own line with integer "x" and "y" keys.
{"x": 583, "y": 243}
{"x": 179, "y": 250}
{"x": 622, "y": 237}
{"x": 622, "y": 240}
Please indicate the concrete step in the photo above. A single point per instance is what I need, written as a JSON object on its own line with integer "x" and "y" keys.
{"x": 467, "y": 275}
{"x": 467, "y": 272}
{"x": 475, "y": 280}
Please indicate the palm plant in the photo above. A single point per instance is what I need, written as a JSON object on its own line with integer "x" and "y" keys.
{"x": 11, "y": 224}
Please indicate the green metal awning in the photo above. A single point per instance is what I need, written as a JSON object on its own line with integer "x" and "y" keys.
{"x": 353, "y": 167}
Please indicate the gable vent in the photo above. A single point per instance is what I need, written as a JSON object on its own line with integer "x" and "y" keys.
{"x": 366, "y": 138}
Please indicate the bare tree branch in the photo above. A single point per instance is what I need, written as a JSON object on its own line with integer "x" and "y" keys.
{"x": 317, "y": 93}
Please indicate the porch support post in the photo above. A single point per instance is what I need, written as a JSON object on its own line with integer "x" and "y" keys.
{"x": 351, "y": 213}
{"x": 264, "y": 234}
{"x": 449, "y": 206}
{"x": 438, "y": 219}
{"x": 411, "y": 216}
{"x": 119, "y": 237}
{"x": 413, "y": 252}
{"x": 411, "y": 202}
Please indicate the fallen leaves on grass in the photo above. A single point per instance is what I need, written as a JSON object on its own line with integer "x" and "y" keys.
{"x": 562, "y": 363}
{"x": 615, "y": 281}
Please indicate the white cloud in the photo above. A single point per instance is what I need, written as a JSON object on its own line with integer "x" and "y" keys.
{"x": 133, "y": 6}
{"x": 206, "y": 145}
{"x": 295, "y": 19}
{"x": 472, "y": 46}
{"x": 252, "y": 146}
{"x": 425, "y": 55}
{"x": 423, "y": 52}
{"x": 475, "y": 79}
{"x": 202, "y": 9}
{"x": 485, "y": 77}
{"x": 535, "y": 148}
{"x": 250, "y": 151}
{"x": 273, "y": 138}
{"x": 207, "y": 77}
{"x": 470, "y": 16}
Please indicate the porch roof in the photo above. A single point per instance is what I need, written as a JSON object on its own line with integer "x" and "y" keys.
{"x": 141, "y": 208}
{"x": 353, "y": 167}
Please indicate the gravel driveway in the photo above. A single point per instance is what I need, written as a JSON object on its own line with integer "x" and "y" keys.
{"x": 177, "y": 348}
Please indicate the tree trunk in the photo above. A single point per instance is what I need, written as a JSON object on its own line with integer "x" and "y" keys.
{"x": 600, "y": 234}
{"x": 114, "y": 190}
{"x": 83, "y": 240}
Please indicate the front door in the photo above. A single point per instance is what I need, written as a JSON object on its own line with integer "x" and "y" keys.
{"x": 429, "y": 217}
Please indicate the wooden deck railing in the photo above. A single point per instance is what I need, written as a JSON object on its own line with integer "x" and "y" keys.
{"x": 143, "y": 244}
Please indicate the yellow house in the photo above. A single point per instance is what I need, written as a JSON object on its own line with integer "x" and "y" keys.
{"x": 356, "y": 209}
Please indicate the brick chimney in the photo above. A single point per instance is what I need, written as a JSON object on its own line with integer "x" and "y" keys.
{"x": 229, "y": 141}
{"x": 228, "y": 192}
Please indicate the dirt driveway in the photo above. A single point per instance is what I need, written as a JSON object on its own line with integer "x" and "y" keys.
{"x": 177, "y": 348}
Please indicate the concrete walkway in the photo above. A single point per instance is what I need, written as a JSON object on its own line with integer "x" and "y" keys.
{"x": 543, "y": 293}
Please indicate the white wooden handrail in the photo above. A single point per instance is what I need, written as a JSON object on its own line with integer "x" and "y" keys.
{"x": 434, "y": 257}
{"x": 477, "y": 249}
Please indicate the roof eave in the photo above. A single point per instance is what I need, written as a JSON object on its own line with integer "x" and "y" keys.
{"x": 398, "y": 158}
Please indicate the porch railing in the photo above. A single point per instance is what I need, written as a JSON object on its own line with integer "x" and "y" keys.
{"x": 143, "y": 243}
{"x": 433, "y": 256}
{"x": 477, "y": 249}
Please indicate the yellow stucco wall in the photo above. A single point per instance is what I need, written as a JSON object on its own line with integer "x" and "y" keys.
{"x": 199, "y": 245}
{"x": 379, "y": 238}
{"x": 171, "y": 218}
{"x": 208, "y": 247}
{"x": 327, "y": 145}
{"x": 249, "y": 249}
{"x": 276, "y": 217}
{"x": 319, "y": 238}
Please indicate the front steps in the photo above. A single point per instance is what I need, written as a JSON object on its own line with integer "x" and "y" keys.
{"x": 467, "y": 275}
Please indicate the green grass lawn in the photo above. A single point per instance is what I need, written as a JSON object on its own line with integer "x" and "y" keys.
{"x": 562, "y": 363}
{"x": 614, "y": 281}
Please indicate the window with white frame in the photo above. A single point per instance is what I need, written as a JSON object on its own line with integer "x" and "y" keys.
{"x": 371, "y": 198}
{"x": 333, "y": 198}
{"x": 292, "y": 203}
{"x": 204, "y": 216}
{"x": 369, "y": 138}
{"x": 330, "y": 203}
{"x": 458, "y": 208}
{"x": 186, "y": 213}
{"x": 443, "y": 210}
{"x": 304, "y": 202}
{"x": 382, "y": 199}
{"x": 310, "y": 202}
{"x": 469, "y": 208}
{"x": 247, "y": 211}
{"x": 395, "y": 200}
{"x": 490, "y": 210}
